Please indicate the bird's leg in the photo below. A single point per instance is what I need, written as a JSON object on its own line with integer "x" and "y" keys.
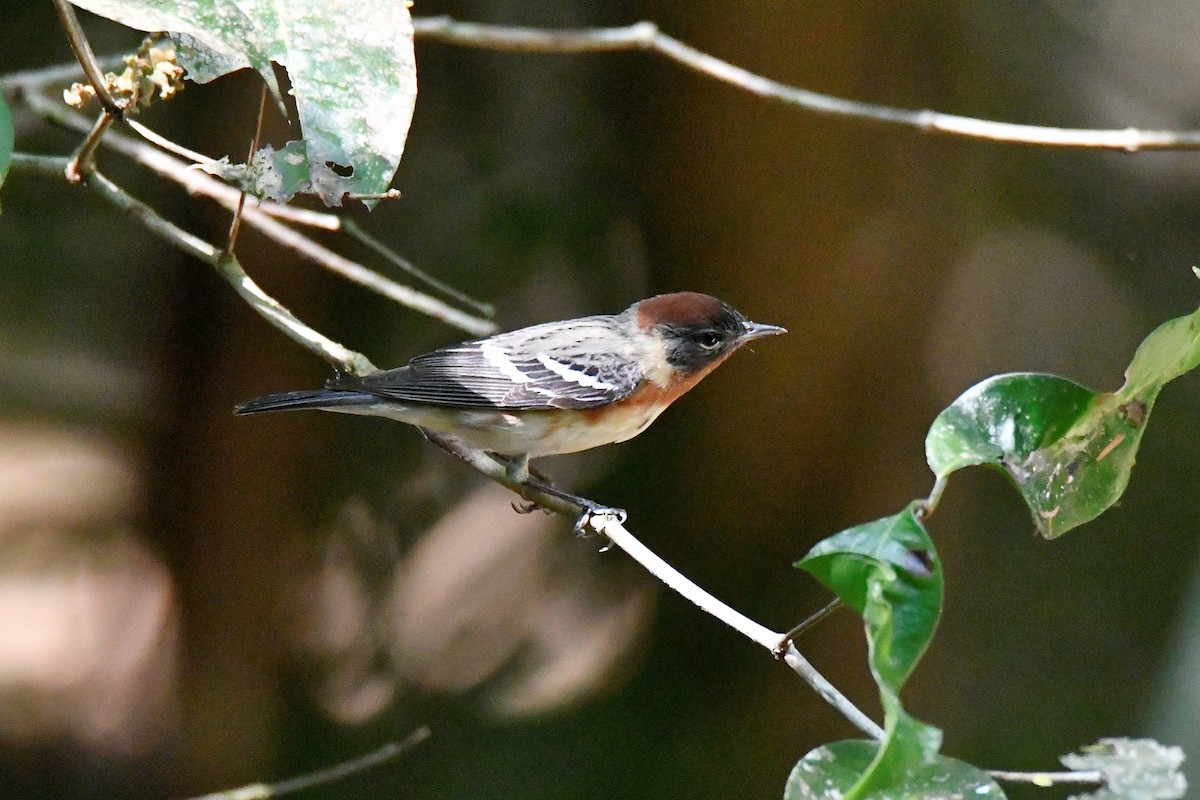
{"x": 518, "y": 468}
{"x": 519, "y": 471}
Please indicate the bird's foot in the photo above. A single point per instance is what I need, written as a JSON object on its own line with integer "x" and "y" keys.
{"x": 528, "y": 507}
{"x": 583, "y": 525}
{"x": 588, "y": 509}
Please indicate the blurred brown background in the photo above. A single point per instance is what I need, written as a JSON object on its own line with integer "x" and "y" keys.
{"x": 190, "y": 601}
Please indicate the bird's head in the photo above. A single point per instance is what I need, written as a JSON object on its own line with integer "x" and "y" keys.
{"x": 697, "y": 331}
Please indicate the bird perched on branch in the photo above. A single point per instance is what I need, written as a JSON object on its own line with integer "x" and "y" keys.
{"x": 558, "y": 387}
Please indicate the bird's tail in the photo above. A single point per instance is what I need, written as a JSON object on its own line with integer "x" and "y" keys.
{"x": 325, "y": 399}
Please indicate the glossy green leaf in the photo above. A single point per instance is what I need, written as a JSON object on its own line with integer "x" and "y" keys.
{"x": 6, "y": 140}
{"x": 350, "y": 63}
{"x": 1069, "y": 450}
{"x": 830, "y": 772}
{"x": 889, "y": 572}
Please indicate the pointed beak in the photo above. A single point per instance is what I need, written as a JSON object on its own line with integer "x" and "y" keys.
{"x": 757, "y": 330}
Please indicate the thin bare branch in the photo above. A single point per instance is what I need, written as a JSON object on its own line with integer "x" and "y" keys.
{"x": 390, "y": 194}
{"x": 829, "y": 693}
{"x": 57, "y": 73}
{"x": 815, "y": 618}
{"x": 85, "y": 56}
{"x": 647, "y": 36}
{"x": 265, "y": 791}
{"x": 84, "y": 157}
{"x": 235, "y": 224}
{"x": 354, "y": 231}
{"x": 1092, "y": 777}
{"x": 616, "y": 533}
{"x": 168, "y": 145}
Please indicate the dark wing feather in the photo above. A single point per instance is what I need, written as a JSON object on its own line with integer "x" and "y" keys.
{"x": 468, "y": 376}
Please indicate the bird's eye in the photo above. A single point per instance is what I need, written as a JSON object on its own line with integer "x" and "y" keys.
{"x": 709, "y": 340}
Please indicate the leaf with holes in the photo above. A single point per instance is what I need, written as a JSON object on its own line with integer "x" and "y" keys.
{"x": 350, "y": 63}
{"x": 887, "y": 571}
{"x": 1069, "y": 450}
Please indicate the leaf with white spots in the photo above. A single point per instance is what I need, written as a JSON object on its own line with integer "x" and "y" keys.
{"x": 350, "y": 63}
{"x": 1069, "y": 450}
{"x": 829, "y": 772}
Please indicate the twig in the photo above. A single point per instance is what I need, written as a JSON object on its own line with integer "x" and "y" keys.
{"x": 264, "y": 791}
{"x": 81, "y": 162}
{"x": 1047, "y": 779}
{"x": 390, "y": 194}
{"x": 829, "y": 693}
{"x": 168, "y": 145}
{"x": 677, "y": 582}
{"x": 647, "y": 36}
{"x": 354, "y": 231}
{"x": 235, "y": 224}
{"x": 199, "y": 183}
{"x": 84, "y": 157}
{"x": 814, "y": 618}
{"x": 85, "y": 56}
{"x": 56, "y": 73}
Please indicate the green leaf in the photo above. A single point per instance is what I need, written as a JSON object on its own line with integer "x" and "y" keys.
{"x": 351, "y": 66}
{"x": 1069, "y": 450}
{"x": 889, "y": 572}
{"x": 830, "y": 772}
{"x": 6, "y": 139}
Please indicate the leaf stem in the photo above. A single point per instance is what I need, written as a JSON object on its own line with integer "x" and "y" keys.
{"x": 926, "y": 509}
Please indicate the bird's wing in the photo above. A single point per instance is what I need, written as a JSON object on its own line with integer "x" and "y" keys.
{"x": 486, "y": 374}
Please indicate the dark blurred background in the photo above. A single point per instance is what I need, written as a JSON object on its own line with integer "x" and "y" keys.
{"x": 190, "y": 601}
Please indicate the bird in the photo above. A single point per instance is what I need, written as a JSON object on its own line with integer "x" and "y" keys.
{"x": 552, "y": 388}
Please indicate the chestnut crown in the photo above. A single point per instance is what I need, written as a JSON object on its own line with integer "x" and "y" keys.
{"x": 698, "y": 329}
